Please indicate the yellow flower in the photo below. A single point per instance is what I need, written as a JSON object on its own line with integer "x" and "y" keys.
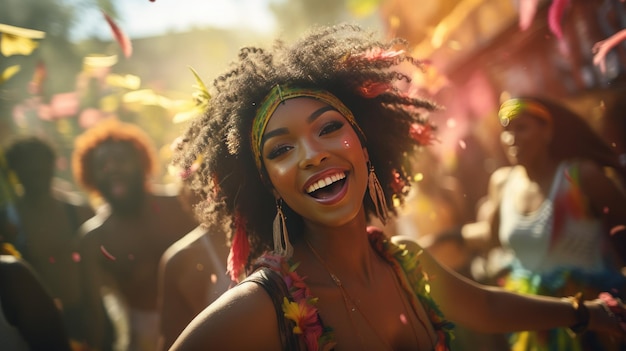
{"x": 295, "y": 312}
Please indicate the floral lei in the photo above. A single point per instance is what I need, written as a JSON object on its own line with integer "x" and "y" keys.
{"x": 300, "y": 308}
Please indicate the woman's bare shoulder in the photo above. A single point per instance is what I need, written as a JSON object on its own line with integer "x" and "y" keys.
{"x": 243, "y": 318}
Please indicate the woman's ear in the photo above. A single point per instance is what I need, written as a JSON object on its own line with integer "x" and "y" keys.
{"x": 366, "y": 155}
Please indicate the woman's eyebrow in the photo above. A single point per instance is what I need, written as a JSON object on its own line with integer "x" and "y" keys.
{"x": 315, "y": 115}
{"x": 281, "y": 131}
{"x": 273, "y": 133}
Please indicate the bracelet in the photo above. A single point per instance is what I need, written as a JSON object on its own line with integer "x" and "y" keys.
{"x": 582, "y": 315}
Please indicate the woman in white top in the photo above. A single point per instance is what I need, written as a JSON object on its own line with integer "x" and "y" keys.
{"x": 560, "y": 210}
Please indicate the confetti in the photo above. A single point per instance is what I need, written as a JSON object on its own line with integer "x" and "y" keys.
{"x": 403, "y": 318}
{"x": 120, "y": 36}
{"x": 617, "y": 229}
{"x": 106, "y": 253}
{"x": 555, "y": 16}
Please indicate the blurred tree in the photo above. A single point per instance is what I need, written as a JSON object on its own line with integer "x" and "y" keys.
{"x": 55, "y": 54}
{"x": 295, "y": 16}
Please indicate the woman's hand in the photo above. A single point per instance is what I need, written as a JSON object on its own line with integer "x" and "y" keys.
{"x": 607, "y": 315}
{"x": 601, "y": 48}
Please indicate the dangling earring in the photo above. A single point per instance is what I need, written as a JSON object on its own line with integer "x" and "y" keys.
{"x": 377, "y": 195}
{"x": 282, "y": 245}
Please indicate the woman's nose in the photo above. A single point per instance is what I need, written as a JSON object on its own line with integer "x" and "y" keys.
{"x": 313, "y": 153}
{"x": 110, "y": 165}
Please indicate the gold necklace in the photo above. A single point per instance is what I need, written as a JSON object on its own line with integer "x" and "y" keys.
{"x": 347, "y": 298}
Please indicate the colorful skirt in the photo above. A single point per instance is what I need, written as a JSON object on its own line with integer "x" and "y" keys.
{"x": 561, "y": 283}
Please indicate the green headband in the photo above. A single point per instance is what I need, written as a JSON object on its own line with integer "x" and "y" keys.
{"x": 512, "y": 108}
{"x": 280, "y": 94}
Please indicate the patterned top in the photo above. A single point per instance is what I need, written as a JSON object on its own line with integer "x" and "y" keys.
{"x": 561, "y": 239}
{"x": 302, "y": 325}
{"x": 560, "y": 233}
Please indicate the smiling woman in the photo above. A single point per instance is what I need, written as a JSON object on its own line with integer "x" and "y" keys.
{"x": 300, "y": 147}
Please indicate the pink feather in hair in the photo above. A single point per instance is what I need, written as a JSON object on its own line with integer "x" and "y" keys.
{"x": 239, "y": 250}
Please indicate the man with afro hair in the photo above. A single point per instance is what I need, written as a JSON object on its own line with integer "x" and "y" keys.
{"x": 121, "y": 246}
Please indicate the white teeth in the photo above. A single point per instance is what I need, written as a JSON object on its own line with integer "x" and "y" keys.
{"x": 325, "y": 182}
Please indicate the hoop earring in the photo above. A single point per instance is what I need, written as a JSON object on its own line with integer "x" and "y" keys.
{"x": 377, "y": 195}
{"x": 282, "y": 245}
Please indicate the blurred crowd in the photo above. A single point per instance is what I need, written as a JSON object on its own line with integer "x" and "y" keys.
{"x": 123, "y": 264}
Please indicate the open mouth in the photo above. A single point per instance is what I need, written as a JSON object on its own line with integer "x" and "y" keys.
{"x": 117, "y": 187}
{"x": 327, "y": 187}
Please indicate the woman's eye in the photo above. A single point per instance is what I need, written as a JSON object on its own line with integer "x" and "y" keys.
{"x": 278, "y": 150}
{"x": 331, "y": 127}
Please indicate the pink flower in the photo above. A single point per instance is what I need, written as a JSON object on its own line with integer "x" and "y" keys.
{"x": 373, "y": 89}
{"x": 422, "y": 133}
{"x": 296, "y": 284}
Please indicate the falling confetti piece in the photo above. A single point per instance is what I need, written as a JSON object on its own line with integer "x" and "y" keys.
{"x": 9, "y": 72}
{"x": 617, "y": 229}
{"x": 75, "y": 257}
{"x": 15, "y": 45}
{"x": 213, "y": 278}
{"x": 527, "y": 11}
{"x": 22, "y": 32}
{"x": 605, "y": 210}
{"x": 131, "y": 257}
{"x": 120, "y": 36}
{"x": 462, "y": 144}
{"x": 51, "y": 259}
{"x": 106, "y": 253}
{"x": 555, "y": 16}
{"x": 199, "y": 267}
{"x": 403, "y": 318}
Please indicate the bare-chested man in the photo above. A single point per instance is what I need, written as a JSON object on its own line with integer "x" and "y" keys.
{"x": 192, "y": 275}
{"x": 48, "y": 227}
{"x": 122, "y": 247}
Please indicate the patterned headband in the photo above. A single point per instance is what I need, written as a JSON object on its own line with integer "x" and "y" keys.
{"x": 280, "y": 94}
{"x": 512, "y": 108}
